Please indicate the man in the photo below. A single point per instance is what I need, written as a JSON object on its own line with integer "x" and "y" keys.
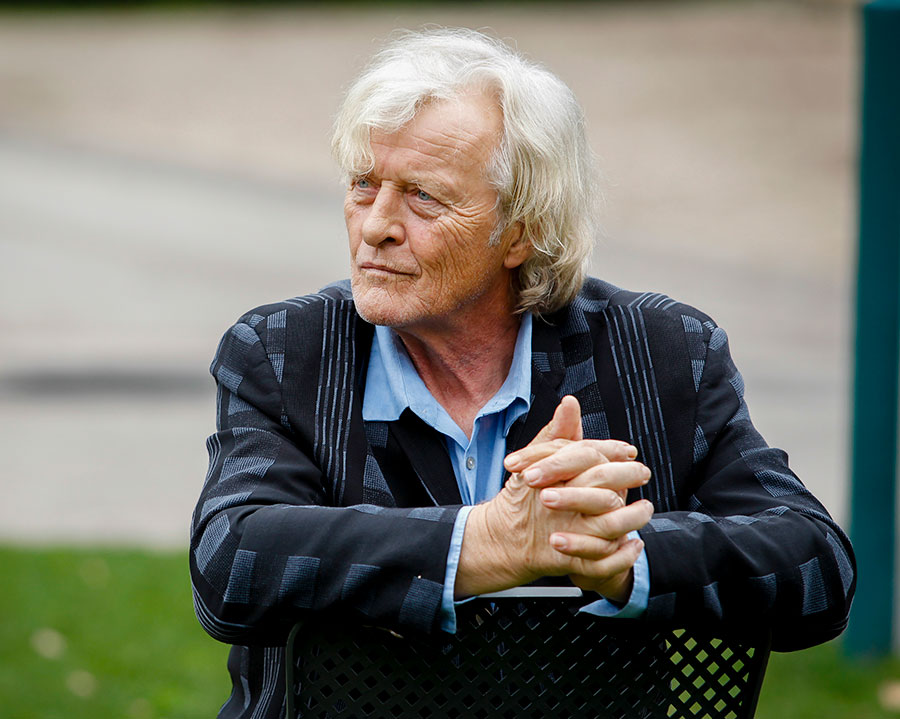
{"x": 471, "y": 414}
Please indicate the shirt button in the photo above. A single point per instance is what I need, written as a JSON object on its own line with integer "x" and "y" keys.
{"x": 470, "y": 463}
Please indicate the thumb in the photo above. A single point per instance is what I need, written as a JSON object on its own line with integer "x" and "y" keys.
{"x": 566, "y": 422}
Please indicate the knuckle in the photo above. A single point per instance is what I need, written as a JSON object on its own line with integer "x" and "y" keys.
{"x": 600, "y": 473}
{"x": 616, "y": 500}
{"x": 607, "y": 547}
{"x": 602, "y": 528}
{"x": 550, "y": 464}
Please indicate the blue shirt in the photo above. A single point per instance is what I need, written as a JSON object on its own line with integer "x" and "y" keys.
{"x": 393, "y": 385}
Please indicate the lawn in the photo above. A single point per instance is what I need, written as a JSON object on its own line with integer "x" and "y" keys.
{"x": 99, "y": 634}
{"x": 111, "y": 633}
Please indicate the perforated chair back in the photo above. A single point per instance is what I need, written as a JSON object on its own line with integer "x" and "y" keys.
{"x": 522, "y": 657}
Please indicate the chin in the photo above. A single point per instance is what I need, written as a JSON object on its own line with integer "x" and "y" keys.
{"x": 378, "y": 307}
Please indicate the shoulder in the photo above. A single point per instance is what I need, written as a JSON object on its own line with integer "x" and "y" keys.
{"x": 665, "y": 314}
{"x": 668, "y": 333}
{"x": 301, "y": 310}
{"x": 297, "y": 324}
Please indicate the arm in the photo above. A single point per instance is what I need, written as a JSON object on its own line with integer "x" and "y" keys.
{"x": 753, "y": 547}
{"x": 266, "y": 547}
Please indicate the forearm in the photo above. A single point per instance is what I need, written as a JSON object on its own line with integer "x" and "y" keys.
{"x": 776, "y": 569}
{"x": 758, "y": 550}
{"x": 257, "y": 570}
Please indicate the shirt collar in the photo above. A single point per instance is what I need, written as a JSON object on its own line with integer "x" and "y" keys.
{"x": 392, "y": 383}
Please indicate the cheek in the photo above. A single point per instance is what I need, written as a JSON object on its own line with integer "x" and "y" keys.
{"x": 458, "y": 263}
{"x": 453, "y": 239}
{"x": 353, "y": 219}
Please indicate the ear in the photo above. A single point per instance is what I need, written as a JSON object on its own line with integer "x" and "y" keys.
{"x": 518, "y": 249}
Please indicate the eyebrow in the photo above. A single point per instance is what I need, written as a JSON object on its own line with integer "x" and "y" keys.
{"x": 433, "y": 182}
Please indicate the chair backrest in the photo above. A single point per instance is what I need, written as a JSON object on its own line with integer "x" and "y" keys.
{"x": 521, "y": 657}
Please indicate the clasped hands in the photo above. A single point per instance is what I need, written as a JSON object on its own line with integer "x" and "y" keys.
{"x": 561, "y": 512}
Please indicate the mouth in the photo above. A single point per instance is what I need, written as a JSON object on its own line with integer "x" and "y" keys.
{"x": 375, "y": 268}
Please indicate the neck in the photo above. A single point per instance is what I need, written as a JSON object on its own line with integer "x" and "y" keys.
{"x": 464, "y": 369}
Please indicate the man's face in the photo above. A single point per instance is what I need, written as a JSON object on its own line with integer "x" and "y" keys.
{"x": 420, "y": 222}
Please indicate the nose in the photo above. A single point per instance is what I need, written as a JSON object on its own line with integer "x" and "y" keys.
{"x": 384, "y": 221}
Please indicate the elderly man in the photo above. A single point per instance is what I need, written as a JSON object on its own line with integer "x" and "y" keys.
{"x": 470, "y": 414}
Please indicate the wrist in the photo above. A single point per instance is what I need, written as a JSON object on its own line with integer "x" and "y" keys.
{"x": 616, "y": 589}
{"x": 487, "y": 561}
{"x": 620, "y": 587}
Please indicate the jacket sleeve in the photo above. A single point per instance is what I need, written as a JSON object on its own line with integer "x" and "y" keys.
{"x": 266, "y": 547}
{"x": 753, "y": 547}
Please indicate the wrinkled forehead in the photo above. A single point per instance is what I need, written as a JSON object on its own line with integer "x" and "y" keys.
{"x": 464, "y": 127}
{"x": 462, "y": 132}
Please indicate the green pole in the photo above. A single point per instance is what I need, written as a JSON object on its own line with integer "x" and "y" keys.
{"x": 874, "y": 449}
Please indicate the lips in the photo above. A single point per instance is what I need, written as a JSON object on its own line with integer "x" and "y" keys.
{"x": 374, "y": 267}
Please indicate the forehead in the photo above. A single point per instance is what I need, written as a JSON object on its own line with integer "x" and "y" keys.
{"x": 457, "y": 136}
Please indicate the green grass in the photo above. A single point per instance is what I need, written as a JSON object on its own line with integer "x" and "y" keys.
{"x": 132, "y": 649}
{"x": 127, "y": 621}
{"x": 819, "y": 683}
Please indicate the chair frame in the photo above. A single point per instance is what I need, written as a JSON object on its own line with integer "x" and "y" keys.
{"x": 523, "y": 653}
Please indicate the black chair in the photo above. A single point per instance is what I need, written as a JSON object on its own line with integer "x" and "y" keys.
{"x": 522, "y": 654}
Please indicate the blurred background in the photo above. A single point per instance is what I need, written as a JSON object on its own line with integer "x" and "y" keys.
{"x": 165, "y": 168}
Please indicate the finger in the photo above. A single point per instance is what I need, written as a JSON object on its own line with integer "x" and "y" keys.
{"x": 618, "y": 522}
{"x": 613, "y": 450}
{"x": 613, "y": 475}
{"x": 584, "y": 500}
{"x": 619, "y": 560}
{"x": 570, "y": 461}
{"x": 573, "y": 428}
{"x": 566, "y": 422}
{"x": 585, "y": 546}
{"x": 520, "y": 459}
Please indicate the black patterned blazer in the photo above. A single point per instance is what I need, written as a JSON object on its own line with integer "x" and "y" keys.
{"x": 308, "y": 508}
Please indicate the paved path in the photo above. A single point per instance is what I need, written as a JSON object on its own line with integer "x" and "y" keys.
{"x": 160, "y": 174}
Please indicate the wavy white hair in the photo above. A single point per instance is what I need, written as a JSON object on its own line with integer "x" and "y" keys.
{"x": 543, "y": 170}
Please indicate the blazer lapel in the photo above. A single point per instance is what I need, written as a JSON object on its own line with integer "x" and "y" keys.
{"x": 421, "y": 444}
{"x": 428, "y": 455}
{"x": 357, "y": 444}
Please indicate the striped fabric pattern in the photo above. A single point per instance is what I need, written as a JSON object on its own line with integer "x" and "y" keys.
{"x": 640, "y": 394}
{"x": 335, "y": 393}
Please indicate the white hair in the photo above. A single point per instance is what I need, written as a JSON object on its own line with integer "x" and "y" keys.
{"x": 543, "y": 170}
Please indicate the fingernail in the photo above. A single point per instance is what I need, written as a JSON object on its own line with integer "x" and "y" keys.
{"x": 557, "y": 541}
{"x": 550, "y": 496}
{"x": 631, "y": 451}
{"x": 512, "y": 460}
{"x": 532, "y": 475}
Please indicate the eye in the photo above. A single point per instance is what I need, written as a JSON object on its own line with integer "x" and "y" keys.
{"x": 424, "y": 196}
{"x": 363, "y": 183}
